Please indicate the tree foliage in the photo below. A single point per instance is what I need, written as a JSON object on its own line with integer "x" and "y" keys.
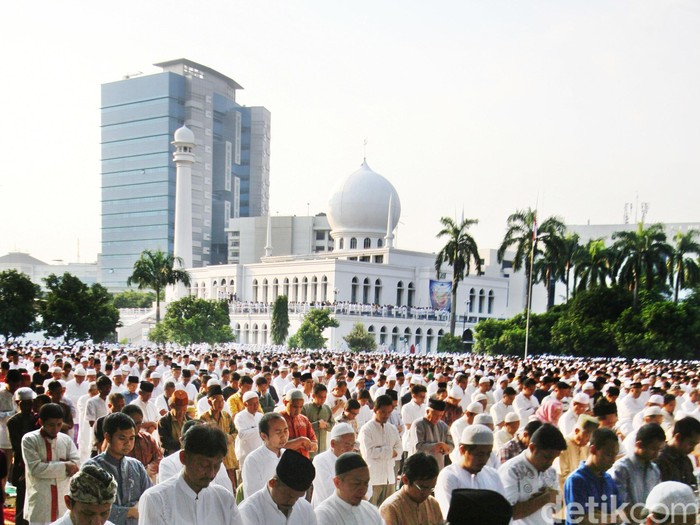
{"x": 18, "y": 296}
{"x": 459, "y": 251}
{"x": 360, "y": 340}
{"x": 310, "y": 333}
{"x": 155, "y": 270}
{"x": 134, "y": 299}
{"x": 450, "y": 344}
{"x": 73, "y": 310}
{"x": 192, "y": 320}
{"x": 279, "y": 325}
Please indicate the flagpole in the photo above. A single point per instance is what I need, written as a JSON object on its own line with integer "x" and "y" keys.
{"x": 529, "y": 284}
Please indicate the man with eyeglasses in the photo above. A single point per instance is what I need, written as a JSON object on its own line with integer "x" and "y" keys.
{"x": 414, "y": 504}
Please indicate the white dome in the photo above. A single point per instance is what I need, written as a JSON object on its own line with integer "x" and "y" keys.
{"x": 184, "y": 134}
{"x": 359, "y": 204}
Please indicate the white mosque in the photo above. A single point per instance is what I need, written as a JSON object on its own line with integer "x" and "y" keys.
{"x": 346, "y": 261}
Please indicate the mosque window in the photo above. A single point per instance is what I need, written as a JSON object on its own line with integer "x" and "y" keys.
{"x": 482, "y": 296}
{"x": 340, "y": 244}
{"x": 367, "y": 243}
{"x": 378, "y": 291}
{"x": 353, "y": 243}
{"x": 354, "y": 290}
{"x": 472, "y": 300}
{"x": 411, "y": 294}
{"x": 365, "y": 291}
{"x": 399, "y": 293}
{"x": 490, "y": 302}
{"x": 380, "y": 243}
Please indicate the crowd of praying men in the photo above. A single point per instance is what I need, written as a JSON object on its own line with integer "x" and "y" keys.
{"x": 127, "y": 435}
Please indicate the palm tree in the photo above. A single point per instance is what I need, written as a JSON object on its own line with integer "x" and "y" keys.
{"x": 684, "y": 270}
{"x": 459, "y": 252}
{"x": 571, "y": 250}
{"x": 155, "y": 270}
{"x": 642, "y": 256}
{"x": 548, "y": 267}
{"x": 524, "y": 234}
{"x": 593, "y": 265}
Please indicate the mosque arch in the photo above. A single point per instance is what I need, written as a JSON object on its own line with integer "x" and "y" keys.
{"x": 399, "y": 293}
{"x": 365, "y": 290}
{"x": 295, "y": 289}
{"x": 304, "y": 289}
{"x": 482, "y": 296}
{"x": 275, "y": 289}
{"x": 255, "y": 289}
{"x": 380, "y": 243}
{"x": 264, "y": 291}
{"x": 490, "y": 302}
{"x": 395, "y": 338}
{"x": 353, "y": 243}
{"x": 354, "y": 288}
{"x": 429, "y": 340}
{"x": 367, "y": 243}
{"x": 324, "y": 288}
{"x": 411, "y": 294}
{"x": 472, "y": 299}
{"x": 378, "y": 291}
{"x": 285, "y": 287}
{"x": 382, "y": 335}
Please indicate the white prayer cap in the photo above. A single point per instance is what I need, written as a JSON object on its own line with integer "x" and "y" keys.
{"x": 656, "y": 399}
{"x": 672, "y": 498}
{"x": 57, "y": 370}
{"x": 156, "y": 375}
{"x": 646, "y": 381}
{"x": 502, "y": 378}
{"x": 511, "y": 417}
{"x": 91, "y": 372}
{"x": 475, "y": 408}
{"x": 24, "y": 394}
{"x": 126, "y": 369}
{"x": 480, "y": 397}
{"x": 588, "y": 386}
{"x": 118, "y": 372}
{"x": 476, "y": 435}
{"x": 391, "y": 377}
{"x": 456, "y": 392}
{"x": 249, "y": 395}
{"x": 653, "y": 411}
{"x": 341, "y": 429}
{"x": 484, "y": 380}
{"x": 483, "y": 419}
{"x": 582, "y": 398}
{"x": 80, "y": 371}
{"x": 416, "y": 380}
{"x": 152, "y": 362}
{"x": 213, "y": 381}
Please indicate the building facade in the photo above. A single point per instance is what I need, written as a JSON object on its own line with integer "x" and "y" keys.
{"x": 230, "y": 176}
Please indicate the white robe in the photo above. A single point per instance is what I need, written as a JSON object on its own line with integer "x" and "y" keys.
{"x": 380, "y": 445}
{"x": 42, "y": 474}
{"x": 248, "y": 438}
{"x": 335, "y": 511}
{"x": 173, "y": 502}
{"x": 171, "y": 466}
{"x": 455, "y": 477}
{"x": 259, "y": 509}
{"x": 259, "y": 467}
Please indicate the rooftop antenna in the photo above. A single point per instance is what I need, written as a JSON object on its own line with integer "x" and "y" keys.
{"x": 132, "y": 75}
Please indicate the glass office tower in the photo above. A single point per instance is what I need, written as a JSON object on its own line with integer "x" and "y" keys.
{"x": 230, "y": 177}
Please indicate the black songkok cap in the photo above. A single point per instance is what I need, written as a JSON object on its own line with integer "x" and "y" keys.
{"x": 145, "y": 386}
{"x": 306, "y": 376}
{"x": 604, "y": 409}
{"x": 347, "y": 462}
{"x": 437, "y": 404}
{"x": 295, "y": 471}
{"x": 477, "y": 506}
{"x": 133, "y": 379}
{"x": 215, "y": 390}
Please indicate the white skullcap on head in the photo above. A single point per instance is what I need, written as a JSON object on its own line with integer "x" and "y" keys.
{"x": 156, "y": 375}
{"x": 511, "y": 417}
{"x": 502, "y": 378}
{"x": 91, "y": 371}
{"x": 456, "y": 392}
{"x": 213, "y": 381}
{"x": 416, "y": 380}
{"x": 476, "y": 435}
{"x": 341, "y": 429}
{"x": 588, "y": 386}
{"x": 672, "y": 498}
{"x": 480, "y": 397}
{"x": 656, "y": 399}
{"x": 475, "y": 408}
{"x": 652, "y": 411}
{"x": 80, "y": 371}
{"x": 484, "y": 380}
{"x": 483, "y": 419}
{"x": 249, "y": 395}
{"x": 582, "y": 398}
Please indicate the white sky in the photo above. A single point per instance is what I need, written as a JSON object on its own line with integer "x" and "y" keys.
{"x": 489, "y": 106}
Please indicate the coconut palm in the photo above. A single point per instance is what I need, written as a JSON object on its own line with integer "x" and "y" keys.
{"x": 642, "y": 256}
{"x": 684, "y": 271}
{"x": 593, "y": 265}
{"x": 459, "y": 252}
{"x": 548, "y": 267}
{"x": 155, "y": 270}
{"x": 571, "y": 250}
{"x": 524, "y": 234}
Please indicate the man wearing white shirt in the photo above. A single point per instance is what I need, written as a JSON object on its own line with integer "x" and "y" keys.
{"x": 281, "y": 501}
{"x": 342, "y": 441}
{"x": 456, "y": 429}
{"x": 503, "y": 407}
{"x": 507, "y": 432}
{"x": 530, "y": 482}
{"x": 148, "y": 408}
{"x": 380, "y": 444}
{"x": 579, "y": 405}
{"x": 191, "y": 497}
{"x": 347, "y": 505}
{"x": 261, "y": 463}
{"x": 471, "y": 471}
{"x": 187, "y": 386}
{"x": 525, "y": 402}
{"x": 247, "y": 423}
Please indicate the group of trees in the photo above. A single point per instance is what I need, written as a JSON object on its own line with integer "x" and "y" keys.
{"x": 69, "y": 308}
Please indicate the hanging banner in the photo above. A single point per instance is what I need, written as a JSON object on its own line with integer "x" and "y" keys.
{"x": 441, "y": 295}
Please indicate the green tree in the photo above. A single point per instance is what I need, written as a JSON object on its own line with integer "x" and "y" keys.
{"x": 593, "y": 265}
{"x": 360, "y": 340}
{"x": 134, "y": 299}
{"x": 18, "y": 296}
{"x": 642, "y": 256}
{"x": 155, "y": 270}
{"x": 684, "y": 270}
{"x": 571, "y": 250}
{"x": 310, "y": 333}
{"x": 279, "y": 326}
{"x": 192, "y": 320}
{"x": 450, "y": 344}
{"x": 73, "y": 310}
{"x": 459, "y": 252}
{"x": 523, "y": 233}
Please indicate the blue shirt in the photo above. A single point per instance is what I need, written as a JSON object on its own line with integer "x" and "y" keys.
{"x": 584, "y": 491}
